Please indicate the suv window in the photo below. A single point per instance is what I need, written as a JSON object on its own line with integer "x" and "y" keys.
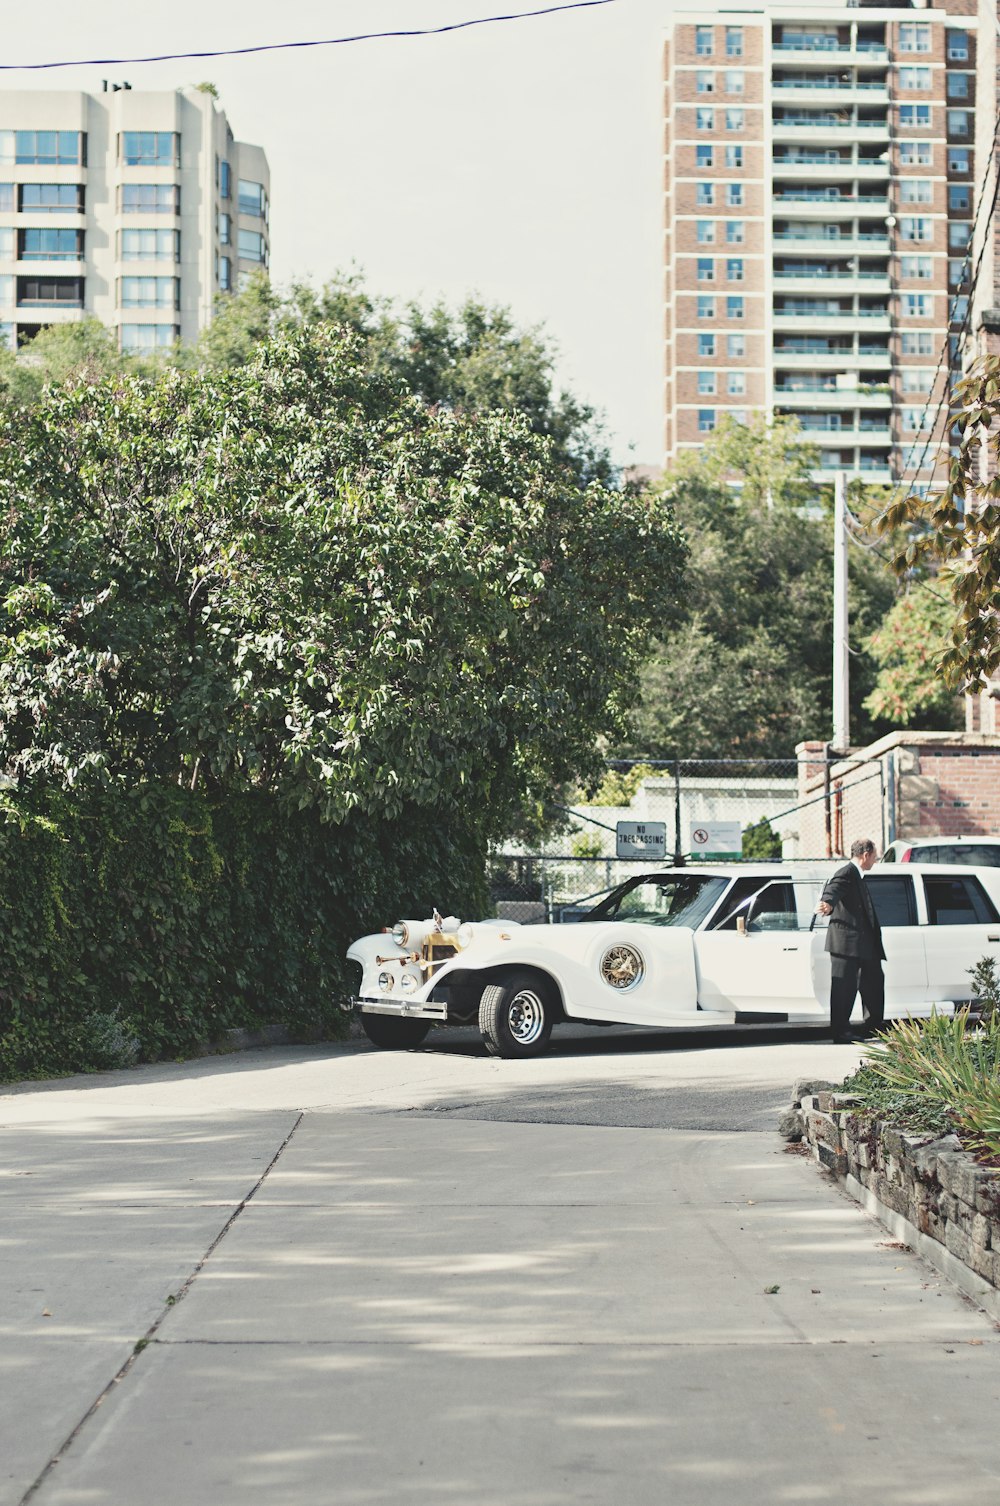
{"x": 893, "y": 898}
{"x": 968, "y": 854}
{"x": 958, "y": 902}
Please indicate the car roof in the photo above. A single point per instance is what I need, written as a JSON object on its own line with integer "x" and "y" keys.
{"x": 968, "y": 837}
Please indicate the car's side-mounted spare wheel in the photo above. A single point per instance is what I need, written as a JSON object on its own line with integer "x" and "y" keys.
{"x": 516, "y": 1014}
{"x": 392, "y": 1033}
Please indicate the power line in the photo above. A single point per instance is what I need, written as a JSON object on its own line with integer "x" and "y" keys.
{"x": 368, "y": 36}
{"x": 964, "y": 327}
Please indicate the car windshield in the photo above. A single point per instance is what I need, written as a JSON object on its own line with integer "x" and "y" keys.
{"x": 665, "y": 900}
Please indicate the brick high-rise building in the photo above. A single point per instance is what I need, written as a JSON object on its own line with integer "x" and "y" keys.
{"x": 822, "y": 168}
{"x": 136, "y": 207}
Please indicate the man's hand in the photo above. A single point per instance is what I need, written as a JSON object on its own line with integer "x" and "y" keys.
{"x": 823, "y": 908}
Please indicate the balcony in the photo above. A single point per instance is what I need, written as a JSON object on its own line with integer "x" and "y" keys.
{"x": 832, "y": 245}
{"x": 817, "y": 52}
{"x": 817, "y": 203}
{"x": 824, "y": 359}
{"x": 831, "y": 282}
{"x": 845, "y": 321}
{"x": 817, "y": 430}
{"x": 822, "y": 166}
{"x": 831, "y": 92}
{"x": 829, "y": 130}
{"x": 834, "y": 397}
{"x": 878, "y": 474}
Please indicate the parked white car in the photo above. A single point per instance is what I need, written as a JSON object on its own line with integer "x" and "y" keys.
{"x": 972, "y": 852}
{"x": 683, "y": 947}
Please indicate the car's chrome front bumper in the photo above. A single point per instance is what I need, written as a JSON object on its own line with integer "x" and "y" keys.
{"x": 402, "y": 1009}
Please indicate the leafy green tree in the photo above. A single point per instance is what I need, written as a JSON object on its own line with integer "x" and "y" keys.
{"x": 761, "y": 843}
{"x": 908, "y": 648}
{"x": 746, "y": 673}
{"x": 85, "y": 351}
{"x": 293, "y": 576}
{"x": 955, "y": 530}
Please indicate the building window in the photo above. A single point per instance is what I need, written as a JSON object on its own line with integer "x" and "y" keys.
{"x": 915, "y": 191}
{"x": 252, "y": 246}
{"x": 734, "y": 41}
{"x": 959, "y": 122}
{"x": 958, "y": 45}
{"x": 734, "y": 269}
{"x": 734, "y": 195}
{"x": 734, "y": 156}
{"x": 706, "y": 420}
{"x": 706, "y": 384}
{"x": 914, "y": 78}
{"x": 225, "y": 228}
{"x": 66, "y": 291}
{"x": 704, "y": 194}
{"x": 914, "y": 117}
{"x": 225, "y": 180}
{"x": 959, "y": 235}
{"x": 917, "y": 342}
{"x": 915, "y": 420}
{"x": 148, "y": 336}
{"x": 225, "y": 274}
{"x": 150, "y": 198}
{"x": 915, "y": 228}
{"x": 959, "y": 310}
{"x": 706, "y": 269}
{"x": 918, "y": 305}
{"x": 735, "y": 80}
{"x": 957, "y": 85}
{"x": 149, "y": 245}
{"x": 704, "y": 118}
{"x": 736, "y": 347}
{"x": 958, "y": 270}
{"x": 252, "y": 199}
{"x": 49, "y": 245}
{"x": 734, "y": 307}
{"x": 734, "y": 120}
{"x": 703, "y": 44}
{"x": 959, "y": 197}
{"x": 8, "y": 336}
{"x": 704, "y": 81}
{"x": 703, "y": 156}
{"x": 149, "y": 293}
{"x": 149, "y": 149}
{"x": 44, "y": 148}
{"x": 50, "y": 198}
{"x": 705, "y": 230}
{"x": 958, "y": 159}
{"x": 6, "y": 291}
{"x": 917, "y": 378}
{"x": 735, "y": 232}
{"x": 914, "y": 37}
{"x": 706, "y": 346}
{"x": 915, "y": 154}
{"x": 706, "y": 306}
{"x": 736, "y": 384}
{"x": 738, "y": 416}
{"x": 917, "y": 266}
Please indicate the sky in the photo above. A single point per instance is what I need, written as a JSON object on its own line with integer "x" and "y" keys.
{"x": 519, "y": 162}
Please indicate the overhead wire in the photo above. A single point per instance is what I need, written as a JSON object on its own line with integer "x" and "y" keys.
{"x": 368, "y": 36}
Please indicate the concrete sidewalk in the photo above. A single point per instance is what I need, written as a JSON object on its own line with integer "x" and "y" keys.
{"x": 382, "y": 1305}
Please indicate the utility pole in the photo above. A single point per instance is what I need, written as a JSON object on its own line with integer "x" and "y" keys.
{"x": 841, "y": 669}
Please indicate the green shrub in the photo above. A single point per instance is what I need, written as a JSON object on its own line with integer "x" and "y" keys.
{"x": 144, "y": 923}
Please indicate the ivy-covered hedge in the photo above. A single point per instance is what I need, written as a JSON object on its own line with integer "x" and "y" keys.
{"x": 139, "y": 924}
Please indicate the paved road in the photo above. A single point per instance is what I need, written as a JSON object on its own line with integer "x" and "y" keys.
{"x": 320, "y": 1274}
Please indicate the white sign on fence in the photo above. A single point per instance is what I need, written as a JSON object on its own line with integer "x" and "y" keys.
{"x": 642, "y": 839}
{"x": 716, "y": 839}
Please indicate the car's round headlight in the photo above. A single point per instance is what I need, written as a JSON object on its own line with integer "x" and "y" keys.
{"x": 400, "y": 933}
{"x": 464, "y": 935}
{"x": 385, "y": 982}
{"x": 409, "y": 983}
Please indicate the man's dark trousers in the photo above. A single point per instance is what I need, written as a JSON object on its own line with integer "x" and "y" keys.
{"x": 848, "y": 975}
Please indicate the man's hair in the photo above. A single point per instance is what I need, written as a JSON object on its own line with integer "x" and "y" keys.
{"x": 862, "y": 846}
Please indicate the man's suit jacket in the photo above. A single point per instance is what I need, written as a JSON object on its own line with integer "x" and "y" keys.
{"x": 854, "y": 929}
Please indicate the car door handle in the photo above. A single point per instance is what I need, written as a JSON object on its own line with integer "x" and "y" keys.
{"x": 992, "y": 938}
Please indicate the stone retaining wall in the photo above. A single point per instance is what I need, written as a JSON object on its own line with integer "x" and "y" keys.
{"x": 928, "y": 1191}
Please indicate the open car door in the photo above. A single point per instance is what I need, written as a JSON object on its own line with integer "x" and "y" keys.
{"x": 761, "y": 958}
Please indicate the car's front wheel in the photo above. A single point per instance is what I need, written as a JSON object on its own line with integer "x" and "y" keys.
{"x": 392, "y": 1033}
{"x": 516, "y": 1015}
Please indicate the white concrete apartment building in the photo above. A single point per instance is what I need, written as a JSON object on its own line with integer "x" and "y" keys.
{"x": 135, "y": 207}
{"x": 822, "y": 167}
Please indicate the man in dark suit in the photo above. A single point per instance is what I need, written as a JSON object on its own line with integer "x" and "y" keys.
{"x": 854, "y": 941}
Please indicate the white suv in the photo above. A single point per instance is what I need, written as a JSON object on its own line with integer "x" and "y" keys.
{"x": 972, "y": 852}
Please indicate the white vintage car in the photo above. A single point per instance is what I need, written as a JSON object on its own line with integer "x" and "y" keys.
{"x": 680, "y": 947}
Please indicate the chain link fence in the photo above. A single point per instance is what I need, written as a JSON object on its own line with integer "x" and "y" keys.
{"x": 796, "y": 810}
